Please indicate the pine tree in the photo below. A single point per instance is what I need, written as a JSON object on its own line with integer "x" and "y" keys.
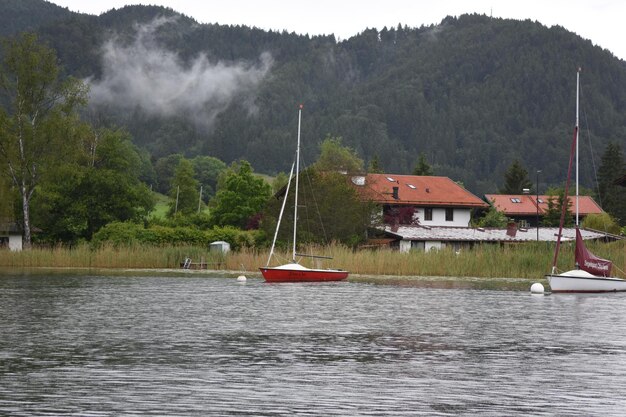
{"x": 552, "y": 217}
{"x": 612, "y": 196}
{"x": 374, "y": 166}
{"x": 516, "y": 179}
{"x": 423, "y": 167}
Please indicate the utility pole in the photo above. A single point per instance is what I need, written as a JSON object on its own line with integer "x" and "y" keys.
{"x": 200, "y": 200}
{"x": 537, "y": 204}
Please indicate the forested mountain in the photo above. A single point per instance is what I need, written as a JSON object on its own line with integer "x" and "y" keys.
{"x": 472, "y": 93}
{"x": 20, "y": 15}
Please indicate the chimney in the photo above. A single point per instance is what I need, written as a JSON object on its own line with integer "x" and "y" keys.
{"x": 511, "y": 229}
{"x": 394, "y": 194}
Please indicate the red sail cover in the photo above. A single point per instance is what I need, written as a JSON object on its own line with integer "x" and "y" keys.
{"x": 589, "y": 262}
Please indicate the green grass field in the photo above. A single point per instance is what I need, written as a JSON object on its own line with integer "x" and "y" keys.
{"x": 161, "y": 207}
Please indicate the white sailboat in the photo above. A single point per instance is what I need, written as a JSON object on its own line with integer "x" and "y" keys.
{"x": 293, "y": 271}
{"x": 592, "y": 274}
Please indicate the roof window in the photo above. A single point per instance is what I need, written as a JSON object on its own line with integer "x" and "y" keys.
{"x": 412, "y": 186}
{"x": 515, "y": 200}
{"x": 390, "y": 179}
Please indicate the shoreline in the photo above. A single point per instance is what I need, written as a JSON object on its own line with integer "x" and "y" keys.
{"x": 422, "y": 281}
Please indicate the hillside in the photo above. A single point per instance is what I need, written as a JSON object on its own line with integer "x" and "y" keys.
{"x": 20, "y": 15}
{"x": 472, "y": 93}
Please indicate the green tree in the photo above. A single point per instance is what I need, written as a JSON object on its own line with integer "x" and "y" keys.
{"x": 611, "y": 195}
{"x": 6, "y": 199}
{"x": 38, "y": 127}
{"x": 239, "y": 197}
{"x": 185, "y": 190}
{"x": 207, "y": 171}
{"x": 423, "y": 167}
{"x": 147, "y": 172}
{"x": 165, "y": 169}
{"x": 336, "y": 157}
{"x": 279, "y": 182}
{"x": 493, "y": 218}
{"x": 374, "y": 166}
{"x": 516, "y": 179}
{"x": 78, "y": 197}
{"x": 552, "y": 216}
{"x": 329, "y": 210}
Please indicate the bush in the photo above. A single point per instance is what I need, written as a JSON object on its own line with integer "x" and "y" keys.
{"x": 602, "y": 222}
{"x": 127, "y": 233}
{"x": 118, "y": 233}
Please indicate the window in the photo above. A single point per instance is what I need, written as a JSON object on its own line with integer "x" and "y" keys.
{"x": 390, "y": 179}
{"x": 515, "y": 200}
{"x": 418, "y": 245}
{"x": 540, "y": 200}
{"x": 449, "y": 214}
{"x": 411, "y": 186}
{"x": 428, "y": 214}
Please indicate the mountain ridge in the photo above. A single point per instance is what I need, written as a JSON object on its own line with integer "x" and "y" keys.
{"x": 473, "y": 93}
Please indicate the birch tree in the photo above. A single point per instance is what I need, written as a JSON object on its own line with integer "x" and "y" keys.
{"x": 36, "y": 126}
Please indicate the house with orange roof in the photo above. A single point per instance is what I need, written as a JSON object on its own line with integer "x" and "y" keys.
{"x": 411, "y": 202}
{"x": 526, "y": 208}
{"x": 430, "y": 201}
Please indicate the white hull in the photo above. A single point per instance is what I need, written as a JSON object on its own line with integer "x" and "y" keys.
{"x": 581, "y": 281}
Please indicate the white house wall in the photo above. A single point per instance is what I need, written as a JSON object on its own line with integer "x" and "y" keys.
{"x": 433, "y": 244}
{"x": 461, "y": 217}
{"x": 15, "y": 242}
{"x": 405, "y": 246}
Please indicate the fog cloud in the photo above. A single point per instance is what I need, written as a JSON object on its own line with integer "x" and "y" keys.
{"x": 144, "y": 74}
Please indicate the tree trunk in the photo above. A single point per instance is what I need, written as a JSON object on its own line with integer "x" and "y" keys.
{"x": 26, "y": 240}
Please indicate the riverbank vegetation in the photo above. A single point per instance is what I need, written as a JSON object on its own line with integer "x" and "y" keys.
{"x": 532, "y": 260}
{"x": 88, "y": 190}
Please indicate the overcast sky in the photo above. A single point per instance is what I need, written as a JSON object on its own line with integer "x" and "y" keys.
{"x": 601, "y": 21}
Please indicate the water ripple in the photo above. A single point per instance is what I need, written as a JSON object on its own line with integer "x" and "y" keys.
{"x": 165, "y": 346}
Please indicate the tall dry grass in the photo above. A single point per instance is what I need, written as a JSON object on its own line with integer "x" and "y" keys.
{"x": 107, "y": 256}
{"x": 530, "y": 260}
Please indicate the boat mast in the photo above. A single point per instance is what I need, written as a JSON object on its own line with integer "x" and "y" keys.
{"x": 280, "y": 216}
{"x": 573, "y": 150}
{"x": 295, "y": 206}
{"x": 577, "y": 134}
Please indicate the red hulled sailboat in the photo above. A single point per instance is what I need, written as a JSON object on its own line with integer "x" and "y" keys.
{"x": 293, "y": 271}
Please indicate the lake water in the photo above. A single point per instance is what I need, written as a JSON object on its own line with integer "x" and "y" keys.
{"x": 199, "y": 346}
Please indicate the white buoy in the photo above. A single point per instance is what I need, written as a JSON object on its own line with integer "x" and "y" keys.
{"x": 537, "y": 288}
{"x": 241, "y": 278}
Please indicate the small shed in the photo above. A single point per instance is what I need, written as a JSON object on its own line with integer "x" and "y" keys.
{"x": 10, "y": 236}
{"x": 219, "y": 247}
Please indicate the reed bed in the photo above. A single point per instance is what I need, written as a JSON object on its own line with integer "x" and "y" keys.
{"x": 530, "y": 260}
{"x": 107, "y": 256}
